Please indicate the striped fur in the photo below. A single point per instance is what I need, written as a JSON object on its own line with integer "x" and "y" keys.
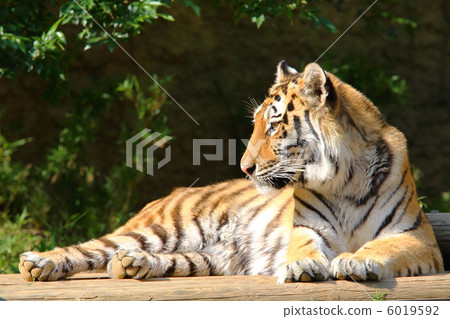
{"x": 331, "y": 194}
{"x": 356, "y": 209}
{"x": 222, "y": 229}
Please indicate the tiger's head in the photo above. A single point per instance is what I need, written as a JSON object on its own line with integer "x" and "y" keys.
{"x": 299, "y": 131}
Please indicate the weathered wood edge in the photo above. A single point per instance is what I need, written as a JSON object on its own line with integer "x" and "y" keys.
{"x": 87, "y": 286}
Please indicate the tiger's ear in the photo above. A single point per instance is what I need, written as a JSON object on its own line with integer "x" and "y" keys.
{"x": 315, "y": 83}
{"x": 284, "y": 72}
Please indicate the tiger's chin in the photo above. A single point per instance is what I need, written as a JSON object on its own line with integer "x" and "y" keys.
{"x": 272, "y": 185}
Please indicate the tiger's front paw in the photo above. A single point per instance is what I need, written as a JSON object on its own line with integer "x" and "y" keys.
{"x": 353, "y": 267}
{"x": 129, "y": 263}
{"x": 34, "y": 266}
{"x": 304, "y": 270}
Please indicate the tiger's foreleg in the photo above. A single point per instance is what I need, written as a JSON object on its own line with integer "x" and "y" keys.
{"x": 92, "y": 255}
{"x": 307, "y": 257}
{"x": 138, "y": 264}
{"x": 409, "y": 253}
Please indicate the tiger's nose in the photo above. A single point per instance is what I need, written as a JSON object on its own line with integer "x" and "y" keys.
{"x": 248, "y": 169}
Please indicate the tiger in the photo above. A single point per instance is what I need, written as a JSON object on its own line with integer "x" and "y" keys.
{"x": 329, "y": 194}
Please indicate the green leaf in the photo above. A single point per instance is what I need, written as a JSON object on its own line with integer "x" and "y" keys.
{"x": 259, "y": 20}
{"x": 166, "y": 16}
{"x": 194, "y": 7}
{"x": 329, "y": 26}
{"x": 56, "y": 24}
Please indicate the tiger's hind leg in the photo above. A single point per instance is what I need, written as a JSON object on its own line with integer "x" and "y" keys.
{"x": 136, "y": 263}
{"x": 64, "y": 262}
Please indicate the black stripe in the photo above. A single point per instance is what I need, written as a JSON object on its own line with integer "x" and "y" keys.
{"x": 160, "y": 232}
{"x": 249, "y": 201}
{"x": 308, "y": 121}
{"x": 108, "y": 243}
{"x": 200, "y": 230}
{"x": 366, "y": 215}
{"x": 285, "y": 119}
{"x": 349, "y": 176}
{"x": 382, "y": 168}
{"x": 104, "y": 257}
{"x": 350, "y": 120}
{"x": 326, "y": 203}
{"x": 209, "y": 263}
{"x": 178, "y": 224}
{"x": 162, "y": 211}
{"x": 257, "y": 210}
{"x": 416, "y": 224}
{"x": 232, "y": 196}
{"x": 318, "y": 233}
{"x": 223, "y": 220}
{"x": 244, "y": 259}
{"x": 84, "y": 252}
{"x": 276, "y": 219}
{"x": 335, "y": 162}
{"x": 331, "y": 96}
{"x": 315, "y": 210}
{"x": 139, "y": 238}
{"x": 67, "y": 265}
{"x": 91, "y": 264}
{"x": 297, "y": 126}
{"x": 191, "y": 265}
{"x": 396, "y": 188}
{"x": 92, "y": 255}
{"x": 275, "y": 250}
{"x": 171, "y": 269}
{"x": 388, "y": 219}
{"x": 201, "y": 203}
{"x": 399, "y": 219}
{"x": 290, "y": 106}
{"x": 178, "y": 219}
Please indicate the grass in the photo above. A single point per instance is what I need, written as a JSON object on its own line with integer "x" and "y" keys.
{"x": 378, "y": 296}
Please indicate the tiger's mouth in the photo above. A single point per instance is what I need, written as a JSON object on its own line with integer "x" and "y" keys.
{"x": 267, "y": 184}
{"x": 279, "y": 182}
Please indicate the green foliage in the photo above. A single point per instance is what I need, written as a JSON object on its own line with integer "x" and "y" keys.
{"x": 17, "y": 238}
{"x": 260, "y": 11}
{"x": 33, "y": 37}
{"x": 69, "y": 195}
{"x": 387, "y": 90}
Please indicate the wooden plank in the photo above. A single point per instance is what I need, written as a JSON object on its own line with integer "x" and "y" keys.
{"x": 441, "y": 228}
{"x": 91, "y": 286}
{"x": 87, "y": 286}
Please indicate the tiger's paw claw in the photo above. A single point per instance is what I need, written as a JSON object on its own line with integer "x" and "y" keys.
{"x": 305, "y": 270}
{"x": 352, "y": 267}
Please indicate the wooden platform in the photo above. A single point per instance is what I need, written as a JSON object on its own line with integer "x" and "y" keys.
{"x": 87, "y": 286}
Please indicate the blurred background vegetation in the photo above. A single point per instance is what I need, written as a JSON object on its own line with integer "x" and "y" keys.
{"x": 70, "y": 98}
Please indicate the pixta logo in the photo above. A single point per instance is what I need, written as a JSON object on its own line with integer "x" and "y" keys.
{"x": 142, "y": 147}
